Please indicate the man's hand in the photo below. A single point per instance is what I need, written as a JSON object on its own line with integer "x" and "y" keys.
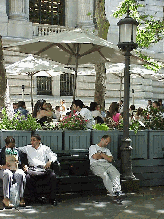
{"x": 48, "y": 164}
{"x": 97, "y": 156}
{"x": 106, "y": 157}
{"x": 25, "y": 168}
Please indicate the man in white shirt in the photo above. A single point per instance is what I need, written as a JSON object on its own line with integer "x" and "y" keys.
{"x": 39, "y": 158}
{"x": 78, "y": 106}
{"x": 101, "y": 165}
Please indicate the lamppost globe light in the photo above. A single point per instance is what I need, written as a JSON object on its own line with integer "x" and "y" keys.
{"x": 127, "y": 33}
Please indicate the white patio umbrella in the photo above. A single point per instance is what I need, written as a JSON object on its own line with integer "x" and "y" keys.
{"x": 73, "y": 47}
{"x": 32, "y": 65}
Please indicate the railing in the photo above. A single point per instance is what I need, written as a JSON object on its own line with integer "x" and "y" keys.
{"x": 46, "y": 29}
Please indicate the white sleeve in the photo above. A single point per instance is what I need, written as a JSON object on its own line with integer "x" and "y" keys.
{"x": 82, "y": 113}
{"x": 50, "y": 155}
{"x": 23, "y": 149}
{"x": 92, "y": 151}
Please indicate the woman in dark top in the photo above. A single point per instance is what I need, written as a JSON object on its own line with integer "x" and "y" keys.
{"x": 42, "y": 112}
{"x": 10, "y": 170}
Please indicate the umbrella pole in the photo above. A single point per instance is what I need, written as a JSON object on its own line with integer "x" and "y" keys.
{"x": 31, "y": 94}
{"x": 76, "y": 67}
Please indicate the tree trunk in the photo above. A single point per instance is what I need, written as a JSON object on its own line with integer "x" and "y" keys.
{"x": 102, "y": 27}
{"x": 2, "y": 79}
{"x": 100, "y": 87}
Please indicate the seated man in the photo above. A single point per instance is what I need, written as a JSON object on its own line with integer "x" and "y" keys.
{"x": 101, "y": 165}
{"x": 39, "y": 158}
{"x": 10, "y": 171}
{"x": 78, "y": 106}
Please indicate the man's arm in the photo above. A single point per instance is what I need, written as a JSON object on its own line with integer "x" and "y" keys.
{"x": 101, "y": 155}
{"x": 106, "y": 157}
{"x": 52, "y": 157}
{"x": 97, "y": 156}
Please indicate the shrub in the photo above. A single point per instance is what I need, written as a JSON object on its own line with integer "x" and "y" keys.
{"x": 19, "y": 122}
{"x": 102, "y": 127}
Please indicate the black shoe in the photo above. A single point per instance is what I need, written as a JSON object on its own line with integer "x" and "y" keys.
{"x": 119, "y": 194}
{"x": 53, "y": 202}
{"x": 41, "y": 200}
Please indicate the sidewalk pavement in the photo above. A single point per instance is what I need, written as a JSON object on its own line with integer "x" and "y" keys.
{"x": 147, "y": 204}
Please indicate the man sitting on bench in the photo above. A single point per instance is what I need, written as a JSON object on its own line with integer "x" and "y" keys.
{"x": 39, "y": 158}
{"x": 101, "y": 165}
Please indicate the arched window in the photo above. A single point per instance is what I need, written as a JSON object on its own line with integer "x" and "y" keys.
{"x": 66, "y": 84}
{"x": 47, "y": 12}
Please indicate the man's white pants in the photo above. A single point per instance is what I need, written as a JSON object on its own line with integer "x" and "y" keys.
{"x": 109, "y": 174}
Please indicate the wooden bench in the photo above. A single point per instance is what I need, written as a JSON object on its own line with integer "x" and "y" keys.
{"x": 73, "y": 173}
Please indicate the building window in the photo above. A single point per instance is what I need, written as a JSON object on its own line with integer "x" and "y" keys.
{"x": 66, "y": 84}
{"x": 44, "y": 85}
{"x": 47, "y": 12}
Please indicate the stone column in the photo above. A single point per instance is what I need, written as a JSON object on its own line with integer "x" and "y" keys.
{"x": 71, "y": 13}
{"x": 4, "y": 18}
{"x": 3, "y": 14}
{"x": 17, "y": 9}
{"x": 85, "y": 13}
{"x": 19, "y": 25}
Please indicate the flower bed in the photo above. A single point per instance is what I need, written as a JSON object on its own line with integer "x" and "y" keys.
{"x": 74, "y": 122}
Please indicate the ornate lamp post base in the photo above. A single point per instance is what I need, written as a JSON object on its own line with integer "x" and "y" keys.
{"x": 128, "y": 181}
{"x": 130, "y": 185}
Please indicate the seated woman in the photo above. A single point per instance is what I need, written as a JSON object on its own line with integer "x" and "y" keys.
{"x": 115, "y": 115}
{"x": 49, "y": 106}
{"x": 96, "y": 113}
{"x": 42, "y": 112}
{"x": 139, "y": 115}
{"x": 10, "y": 171}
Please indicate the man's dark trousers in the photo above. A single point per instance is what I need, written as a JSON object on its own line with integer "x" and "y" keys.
{"x": 34, "y": 179}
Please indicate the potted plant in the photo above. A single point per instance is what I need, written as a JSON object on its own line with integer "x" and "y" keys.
{"x": 76, "y": 135}
{"x": 18, "y": 127}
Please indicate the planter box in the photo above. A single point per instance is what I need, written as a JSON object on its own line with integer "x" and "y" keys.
{"x": 53, "y": 138}
{"x": 22, "y": 138}
{"x": 76, "y": 139}
{"x": 155, "y": 144}
{"x": 113, "y": 146}
{"x": 139, "y": 144}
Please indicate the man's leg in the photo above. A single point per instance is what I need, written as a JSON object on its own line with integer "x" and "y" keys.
{"x": 50, "y": 179}
{"x": 100, "y": 170}
{"x": 31, "y": 187}
{"x": 115, "y": 178}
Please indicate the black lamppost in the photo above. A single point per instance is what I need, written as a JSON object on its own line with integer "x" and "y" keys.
{"x": 127, "y": 42}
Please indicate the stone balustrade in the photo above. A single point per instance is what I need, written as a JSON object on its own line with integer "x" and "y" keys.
{"x": 45, "y": 29}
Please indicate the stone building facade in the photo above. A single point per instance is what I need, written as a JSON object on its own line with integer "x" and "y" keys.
{"x": 15, "y": 26}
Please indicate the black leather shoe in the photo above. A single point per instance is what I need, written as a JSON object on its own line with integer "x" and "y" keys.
{"x": 53, "y": 202}
{"x": 41, "y": 200}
